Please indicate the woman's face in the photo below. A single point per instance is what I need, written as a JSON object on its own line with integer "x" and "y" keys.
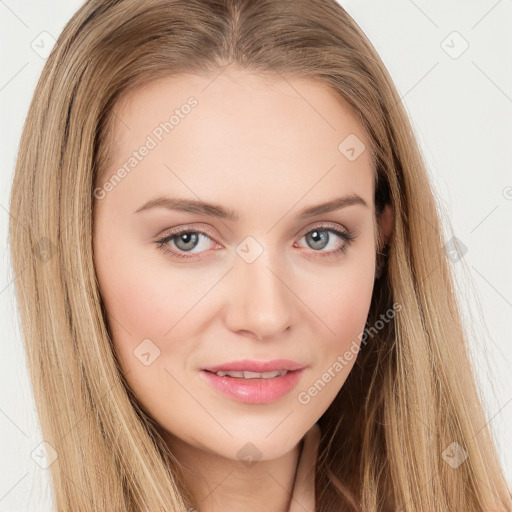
{"x": 263, "y": 270}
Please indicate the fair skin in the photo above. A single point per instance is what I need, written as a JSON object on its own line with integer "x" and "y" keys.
{"x": 256, "y": 146}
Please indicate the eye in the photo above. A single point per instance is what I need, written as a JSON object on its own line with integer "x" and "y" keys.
{"x": 323, "y": 235}
{"x": 187, "y": 244}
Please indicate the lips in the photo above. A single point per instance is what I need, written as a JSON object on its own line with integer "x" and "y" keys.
{"x": 256, "y": 366}
{"x": 253, "y": 390}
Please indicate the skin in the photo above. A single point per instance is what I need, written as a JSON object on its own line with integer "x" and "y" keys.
{"x": 265, "y": 147}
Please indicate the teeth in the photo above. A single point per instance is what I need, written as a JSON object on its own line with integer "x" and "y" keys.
{"x": 230, "y": 374}
{"x": 252, "y": 375}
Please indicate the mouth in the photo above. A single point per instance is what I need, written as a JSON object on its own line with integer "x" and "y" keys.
{"x": 253, "y": 387}
{"x": 247, "y": 368}
{"x": 245, "y": 374}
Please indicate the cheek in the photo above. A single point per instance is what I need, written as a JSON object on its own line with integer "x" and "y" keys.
{"x": 147, "y": 315}
{"x": 352, "y": 299}
{"x": 342, "y": 311}
{"x": 141, "y": 305}
{"x": 153, "y": 311}
{"x": 341, "y": 299}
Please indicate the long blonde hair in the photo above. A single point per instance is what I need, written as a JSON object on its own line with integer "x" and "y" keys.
{"x": 411, "y": 393}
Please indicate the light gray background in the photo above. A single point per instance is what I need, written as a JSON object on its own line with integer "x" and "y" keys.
{"x": 461, "y": 111}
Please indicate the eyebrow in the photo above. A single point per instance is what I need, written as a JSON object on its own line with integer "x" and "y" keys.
{"x": 215, "y": 210}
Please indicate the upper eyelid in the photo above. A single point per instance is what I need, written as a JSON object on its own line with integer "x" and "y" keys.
{"x": 324, "y": 225}
{"x": 301, "y": 232}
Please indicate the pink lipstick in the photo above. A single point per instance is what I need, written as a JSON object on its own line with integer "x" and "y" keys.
{"x": 255, "y": 382}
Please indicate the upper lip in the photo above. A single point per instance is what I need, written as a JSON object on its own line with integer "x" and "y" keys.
{"x": 257, "y": 366}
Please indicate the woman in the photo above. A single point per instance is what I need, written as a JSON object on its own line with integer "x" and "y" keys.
{"x": 238, "y": 294}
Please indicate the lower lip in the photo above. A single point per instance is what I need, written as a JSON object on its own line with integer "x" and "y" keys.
{"x": 255, "y": 391}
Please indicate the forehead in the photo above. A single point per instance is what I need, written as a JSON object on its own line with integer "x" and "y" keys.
{"x": 238, "y": 130}
{"x": 240, "y": 99}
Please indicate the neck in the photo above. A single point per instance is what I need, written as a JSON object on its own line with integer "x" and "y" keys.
{"x": 221, "y": 484}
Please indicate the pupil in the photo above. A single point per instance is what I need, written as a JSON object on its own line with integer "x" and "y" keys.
{"x": 187, "y": 238}
{"x": 319, "y": 237}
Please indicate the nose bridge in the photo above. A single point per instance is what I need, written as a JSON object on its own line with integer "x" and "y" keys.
{"x": 260, "y": 300}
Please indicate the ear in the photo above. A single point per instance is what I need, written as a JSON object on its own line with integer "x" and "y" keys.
{"x": 385, "y": 221}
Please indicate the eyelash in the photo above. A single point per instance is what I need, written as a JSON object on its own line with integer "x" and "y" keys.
{"x": 347, "y": 236}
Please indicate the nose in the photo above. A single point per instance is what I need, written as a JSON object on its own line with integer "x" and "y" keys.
{"x": 260, "y": 299}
